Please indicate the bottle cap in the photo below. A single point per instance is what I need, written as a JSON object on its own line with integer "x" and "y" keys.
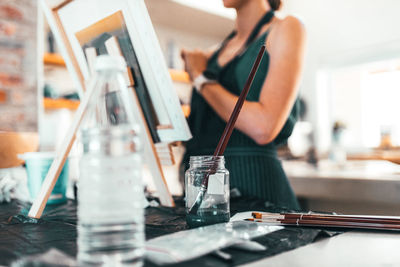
{"x": 107, "y": 62}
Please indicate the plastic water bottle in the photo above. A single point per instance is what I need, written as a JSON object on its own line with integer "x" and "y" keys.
{"x": 110, "y": 190}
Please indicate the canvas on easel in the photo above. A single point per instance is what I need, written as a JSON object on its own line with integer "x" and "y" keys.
{"x": 122, "y": 27}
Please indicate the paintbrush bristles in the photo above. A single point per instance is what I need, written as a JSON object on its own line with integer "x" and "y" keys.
{"x": 258, "y": 215}
{"x": 263, "y": 220}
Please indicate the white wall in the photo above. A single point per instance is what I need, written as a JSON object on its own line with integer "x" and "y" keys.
{"x": 340, "y": 33}
{"x": 182, "y": 39}
{"x": 188, "y": 24}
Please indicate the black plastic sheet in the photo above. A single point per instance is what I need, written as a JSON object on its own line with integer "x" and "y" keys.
{"x": 21, "y": 236}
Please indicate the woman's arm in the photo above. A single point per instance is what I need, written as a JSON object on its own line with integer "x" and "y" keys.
{"x": 263, "y": 120}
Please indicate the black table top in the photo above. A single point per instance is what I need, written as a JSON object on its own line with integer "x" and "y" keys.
{"x": 21, "y": 236}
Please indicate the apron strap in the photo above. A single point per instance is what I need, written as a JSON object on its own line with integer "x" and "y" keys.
{"x": 264, "y": 20}
{"x": 254, "y": 33}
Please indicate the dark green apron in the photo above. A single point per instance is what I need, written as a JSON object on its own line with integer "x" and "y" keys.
{"x": 254, "y": 169}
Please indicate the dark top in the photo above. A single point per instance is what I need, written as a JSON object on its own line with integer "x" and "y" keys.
{"x": 254, "y": 169}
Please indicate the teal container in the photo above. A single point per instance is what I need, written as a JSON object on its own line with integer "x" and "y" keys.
{"x": 37, "y": 167}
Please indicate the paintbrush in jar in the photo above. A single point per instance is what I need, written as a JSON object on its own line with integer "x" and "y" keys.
{"x": 219, "y": 151}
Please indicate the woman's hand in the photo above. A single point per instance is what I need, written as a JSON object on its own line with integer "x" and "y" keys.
{"x": 195, "y": 62}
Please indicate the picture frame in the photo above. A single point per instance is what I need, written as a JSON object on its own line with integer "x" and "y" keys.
{"x": 123, "y": 27}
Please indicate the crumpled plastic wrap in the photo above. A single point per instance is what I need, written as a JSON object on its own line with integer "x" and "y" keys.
{"x": 190, "y": 244}
{"x": 52, "y": 258}
{"x": 13, "y": 184}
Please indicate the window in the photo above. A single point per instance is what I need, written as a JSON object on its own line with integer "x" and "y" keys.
{"x": 366, "y": 98}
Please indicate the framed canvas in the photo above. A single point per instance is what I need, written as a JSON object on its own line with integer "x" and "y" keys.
{"x": 86, "y": 29}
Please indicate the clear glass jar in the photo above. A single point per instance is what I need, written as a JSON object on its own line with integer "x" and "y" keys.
{"x": 214, "y": 207}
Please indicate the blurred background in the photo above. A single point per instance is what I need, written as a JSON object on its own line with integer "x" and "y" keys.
{"x": 344, "y": 152}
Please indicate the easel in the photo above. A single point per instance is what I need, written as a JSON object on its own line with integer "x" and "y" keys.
{"x": 150, "y": 155}
{"x": 51, "y": 9}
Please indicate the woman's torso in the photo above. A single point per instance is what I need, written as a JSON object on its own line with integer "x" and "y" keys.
{"x": 254, "y": 168}
{"x": 207, "y": 126}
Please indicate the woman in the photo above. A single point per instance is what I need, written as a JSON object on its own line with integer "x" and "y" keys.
{"x": 269, "y": 112}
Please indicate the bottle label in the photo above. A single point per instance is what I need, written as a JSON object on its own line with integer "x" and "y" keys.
{"x": 216, "y": 184}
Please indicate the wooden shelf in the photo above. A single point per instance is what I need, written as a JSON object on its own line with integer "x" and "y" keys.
{"x": 186, "y": 110}
{"x": 53, "y": 59}
{"x": 392, "y": 155}
{"x": 179, "y": 76}
{"x": 3, "y": 96}
{"x": 57, "y": 60}
{"x": 50, "y": 103}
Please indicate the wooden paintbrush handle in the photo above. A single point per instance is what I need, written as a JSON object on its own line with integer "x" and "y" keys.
{"x": 340, "y": 224}
{"x": 223, "y": 141}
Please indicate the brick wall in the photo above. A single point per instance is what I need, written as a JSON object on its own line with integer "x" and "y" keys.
{"x": 18, "y": 65}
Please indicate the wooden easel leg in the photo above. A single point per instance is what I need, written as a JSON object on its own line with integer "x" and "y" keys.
{"x": 157, "y": 173}
{"x": 39, "y": 203}
{"x": 150, "y": 152}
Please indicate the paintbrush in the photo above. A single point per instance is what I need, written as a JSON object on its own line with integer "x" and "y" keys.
{"x": 223, "y": 141}
{"x": 328, "y": 223}
{"x": 327, "y": 217}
